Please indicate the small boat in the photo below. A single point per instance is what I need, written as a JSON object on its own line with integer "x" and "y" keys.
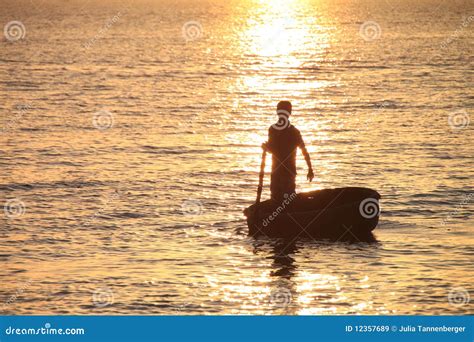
{"x": 342, "y": 213}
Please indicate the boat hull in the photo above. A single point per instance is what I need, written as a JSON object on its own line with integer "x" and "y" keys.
{"x": 343, "y": 213}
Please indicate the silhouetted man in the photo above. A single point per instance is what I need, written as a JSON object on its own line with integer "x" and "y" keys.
{"x": 283, "y": 141}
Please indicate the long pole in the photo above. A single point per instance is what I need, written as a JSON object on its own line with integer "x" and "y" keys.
{"x": 260, "y": 183}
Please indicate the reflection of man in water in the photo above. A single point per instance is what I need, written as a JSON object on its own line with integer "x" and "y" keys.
{"x": 283, "y": 140}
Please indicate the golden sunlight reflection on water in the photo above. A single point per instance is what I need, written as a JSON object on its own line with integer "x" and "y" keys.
{"x": 183, "y": 155}
{"x": 277, "y": 37}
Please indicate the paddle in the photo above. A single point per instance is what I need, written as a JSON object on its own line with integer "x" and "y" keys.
{"x": 260, "y": 183}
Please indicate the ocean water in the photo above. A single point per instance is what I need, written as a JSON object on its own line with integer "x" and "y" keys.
{"x": 130, "y": 145}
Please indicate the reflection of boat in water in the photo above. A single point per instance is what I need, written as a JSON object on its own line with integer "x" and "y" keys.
{"x": 331, "y": 213}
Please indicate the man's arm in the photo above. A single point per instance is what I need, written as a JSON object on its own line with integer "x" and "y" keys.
{"x": 307, "y": 158}
{"x": 268, "y": 145}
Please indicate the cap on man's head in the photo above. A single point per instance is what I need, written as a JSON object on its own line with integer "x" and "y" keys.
{"x": 284, "y": 105}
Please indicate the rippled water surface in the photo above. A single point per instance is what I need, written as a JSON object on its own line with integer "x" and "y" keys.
{"x": 131, "y": 144}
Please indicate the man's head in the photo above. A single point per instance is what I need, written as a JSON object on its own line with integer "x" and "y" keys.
{"x": 284, "y": 107}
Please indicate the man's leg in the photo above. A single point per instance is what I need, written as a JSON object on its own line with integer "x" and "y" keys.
{"x": 290, "y": 186}
{"x": 282, "y": 184}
